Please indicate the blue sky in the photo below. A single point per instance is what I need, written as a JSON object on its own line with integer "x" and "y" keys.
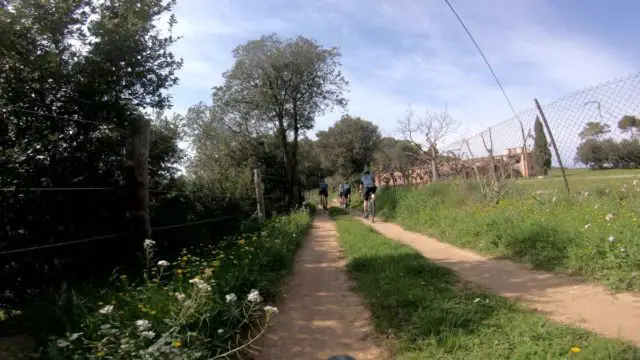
{"x": 402, "y": 52}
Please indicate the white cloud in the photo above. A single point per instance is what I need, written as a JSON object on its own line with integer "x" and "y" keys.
{"x": 407, "y": 52}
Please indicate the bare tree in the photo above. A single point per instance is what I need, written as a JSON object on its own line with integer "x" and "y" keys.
{"x": 431, "y": 128}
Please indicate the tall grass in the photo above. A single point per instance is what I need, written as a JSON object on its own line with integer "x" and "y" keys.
{"x": 593, "y": 233}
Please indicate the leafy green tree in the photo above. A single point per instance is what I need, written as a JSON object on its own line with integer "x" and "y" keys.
{"x": 73, "y": 73}
{"x": 541, "y": 151}
{"x": 631, "y": 124}
{"x": 594, "y": 130}
{"x": 592, "y": 153}
{"x": 282, "y": 84}
{"x": 397, "y": 155}
{"x": 349, "y": 145}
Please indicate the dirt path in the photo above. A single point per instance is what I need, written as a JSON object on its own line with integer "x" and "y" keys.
{"x": 558, "y": 297}
{"x": 320, "y": 316}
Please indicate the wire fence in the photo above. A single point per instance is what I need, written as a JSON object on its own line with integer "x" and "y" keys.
{"x": 65, "y": 205}
{"x": 595, "y": 127}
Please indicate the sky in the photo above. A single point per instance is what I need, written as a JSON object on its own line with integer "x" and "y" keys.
{"x": 402, "y": 53}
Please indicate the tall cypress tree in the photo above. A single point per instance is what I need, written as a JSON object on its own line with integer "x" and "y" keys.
{"x": 541, "y": 151}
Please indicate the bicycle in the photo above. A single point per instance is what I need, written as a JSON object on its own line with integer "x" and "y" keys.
{"x": 341, "y": 357}
{"x": 323, "y": 202}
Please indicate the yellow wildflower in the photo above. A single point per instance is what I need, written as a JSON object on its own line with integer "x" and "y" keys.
{"x": 184, "y": 259}
{"x": 100, "y": 354}
{"x": 575, "y": 350}
{"x": 241, "y": 242}
{"x": 177, "y": 343}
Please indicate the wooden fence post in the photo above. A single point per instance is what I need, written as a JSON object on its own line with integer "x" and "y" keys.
{"x": 257, "y": 181}
{"x": 553, "y": 144}
{"x": 137, "y": 180}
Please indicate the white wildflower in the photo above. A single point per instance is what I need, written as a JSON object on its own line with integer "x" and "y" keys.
{"x": 554, "y": 199}
{"x": 635, "y": 182}
{"x": 231, "y": 297}
{"x": 179, "y": 296}
{"x": 105, "y": 327}
{"x": 200, "y": 284}
{"x": 271, "y": 309}
{"x": 587, "y": 226}
{"x": 597, "y": 206}
{"x": 477, "y": 300}
{"x": 609, "y": 217}
{"x": 622, "y": 249}
{"x": 62, "y": 343}
{"x": 147, "y": 334}
{"x": 143, "y": 325}
{"x": 106, "y": 310}
{"x": 149, "y": 244}
{"x": 254, "y": 296}
{"x": 612, "y": 239}
{"x": 220, "y": 331}
{"x": 163, "y": 263}
{"x": 74, "y": 336}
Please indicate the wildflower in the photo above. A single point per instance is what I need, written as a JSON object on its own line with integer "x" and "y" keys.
{"x": 100, "y": 354}
{"x": 271, "y": 309}
{"x": 612, "y": 239}
{"x": 179, "y": 271}
{"x": 62, "y": 343}
{"x": 106, "y": 310}
{"x": 184, "y": 259}
{"x": 231, "y": 297}
{"x": 177, "y": 343}
{"x": 147, "y": 334}
{"x": 105, "y": 327}
{"x": 143, "y": 325}
{"x": 622, "y": 249}
{"x": 149, "y": 244}
{"x": 609, "y": 217}
{"x": 575, "y": 349}
{"x": 76, "y": 335}
{"x": 254, "y": 296}
{"x": 241, "y": 242}
{"x": 179, "y": 296}
{"x": 163, "y": 263}
{"x": 477, "y": 300}
{"x": 220, "y": 331}
{"x": 635, "y": 182}
{"x": 200, "y": 284}
{"x": 554, "y": 199}
{"x": 587, "y": 226}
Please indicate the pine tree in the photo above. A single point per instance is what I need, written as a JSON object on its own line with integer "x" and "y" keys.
{"x": 541, "y": 151}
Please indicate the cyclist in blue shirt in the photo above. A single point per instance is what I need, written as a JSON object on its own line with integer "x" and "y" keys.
{"x": 367, "y": 182}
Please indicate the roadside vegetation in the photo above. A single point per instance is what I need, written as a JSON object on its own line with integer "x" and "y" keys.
{"x": 591, "y": 233}
{"x": 426, "y": 312}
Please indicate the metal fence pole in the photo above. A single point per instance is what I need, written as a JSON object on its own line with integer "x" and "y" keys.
{"x": 553, "y": 143}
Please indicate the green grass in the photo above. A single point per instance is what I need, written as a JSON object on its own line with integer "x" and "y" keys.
{"x": 430, "y": 314}
{"x": 539, "y": 225}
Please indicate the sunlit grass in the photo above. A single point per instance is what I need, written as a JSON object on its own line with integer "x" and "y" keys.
{"x": 427, "y": 313}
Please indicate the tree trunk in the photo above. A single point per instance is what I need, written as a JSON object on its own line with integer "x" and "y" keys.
{"x": 282, "y": 134}
{"x": 434, "y": 164}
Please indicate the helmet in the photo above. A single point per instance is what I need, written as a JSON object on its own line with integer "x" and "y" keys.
{"x": 367, "y": 172}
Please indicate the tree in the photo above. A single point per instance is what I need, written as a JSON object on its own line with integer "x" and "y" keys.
{"x": 541, "y": 151}
{"x": 594, "y": 130}
{"x": 631, "y": 124}
{"x": 285, "y": 84}
{"x": 397, "y": 155}
{"x": 591, "y": 152}
{"x": 349, "y": 145}
{"x": 433, "y": 127}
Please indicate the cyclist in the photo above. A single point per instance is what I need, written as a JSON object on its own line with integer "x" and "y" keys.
{"x": 346, "y": 188}
{"x": 324, "y": 191}
{"x": 341, "y": 193}
{"x": 367, "y": 182}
